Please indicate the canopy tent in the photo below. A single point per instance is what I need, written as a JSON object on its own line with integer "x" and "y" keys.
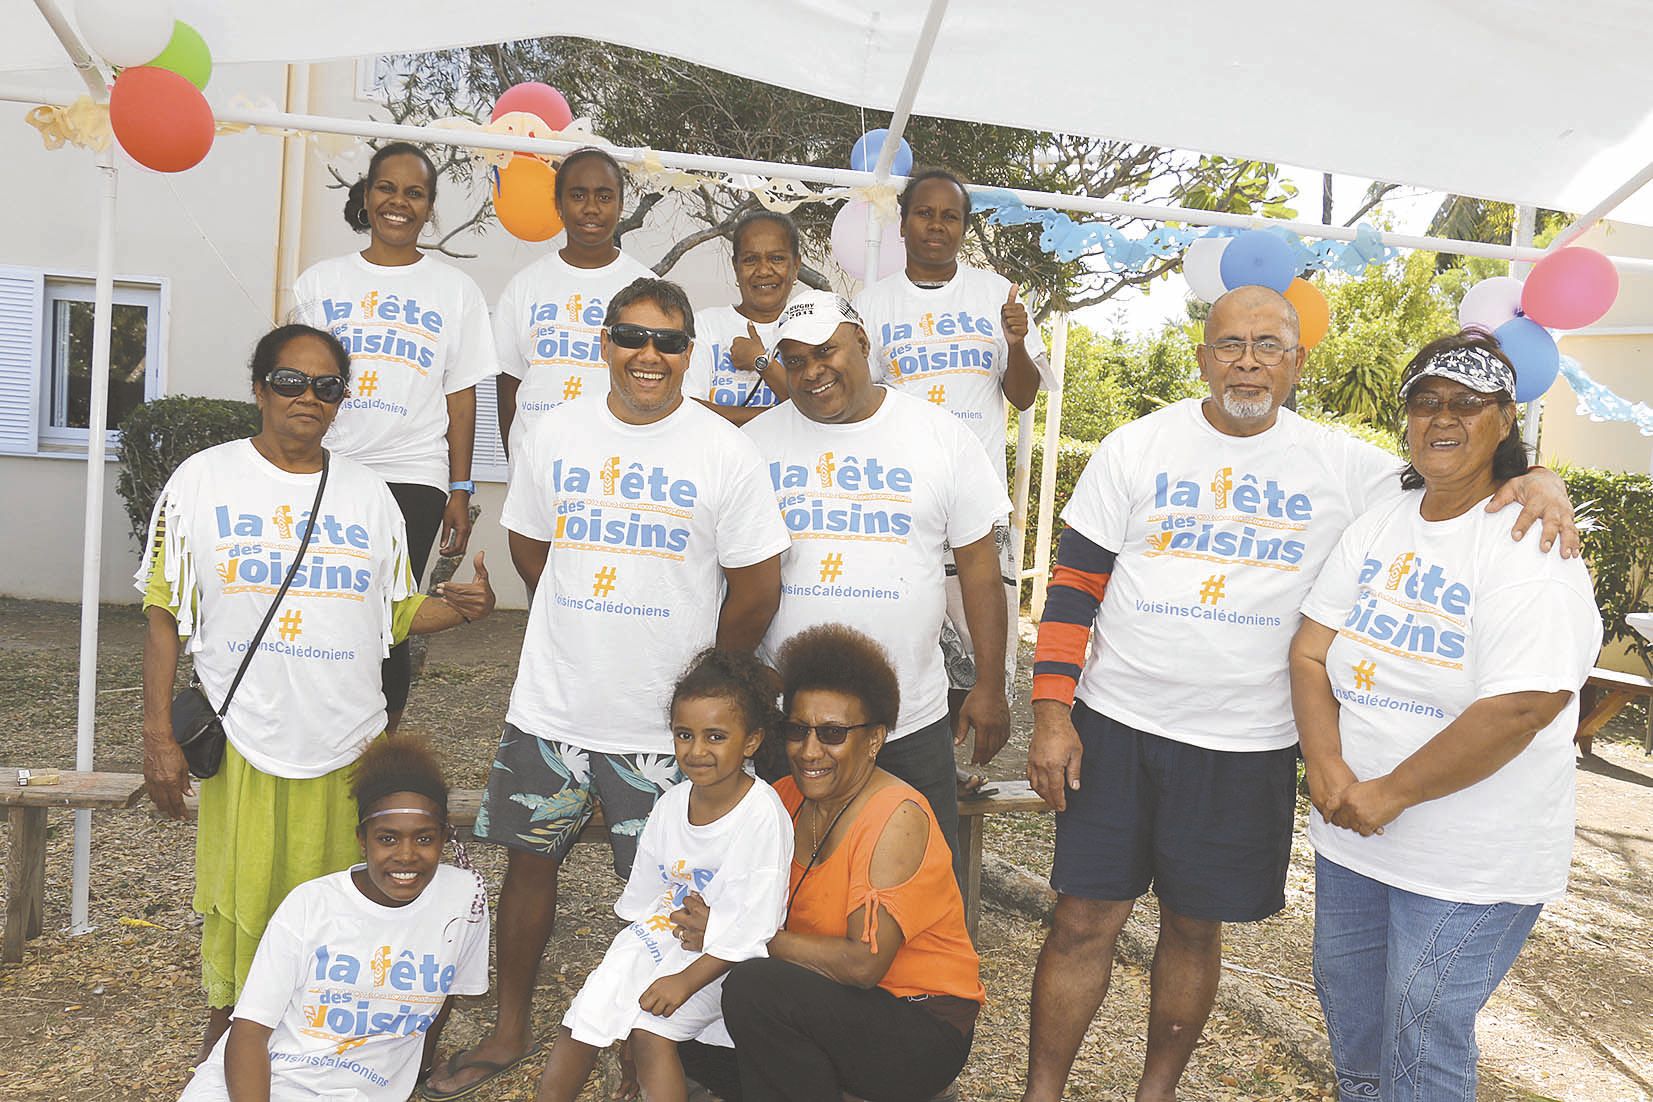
{"x": 1554, "y": 116}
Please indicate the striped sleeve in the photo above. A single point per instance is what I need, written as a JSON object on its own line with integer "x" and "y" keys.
{"x": 1077, "y": 583}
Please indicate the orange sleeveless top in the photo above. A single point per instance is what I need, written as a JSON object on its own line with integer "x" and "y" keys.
{"x": 936, "y": 957}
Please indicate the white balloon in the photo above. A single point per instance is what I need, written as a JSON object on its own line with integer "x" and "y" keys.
{"x": 1202, "y": 267}
{"x": 125, "y": 32}
{"x": 1490, "y": 303}
{"x": 849, "y": 243}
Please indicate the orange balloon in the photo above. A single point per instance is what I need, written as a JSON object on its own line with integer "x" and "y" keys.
{"x": 160, "y": 118}
{"x": 525, "y": 199}
{"x": 1314, "y": 314}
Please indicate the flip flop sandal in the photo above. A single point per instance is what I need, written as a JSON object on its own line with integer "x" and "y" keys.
{"x": 494, "y": 1068}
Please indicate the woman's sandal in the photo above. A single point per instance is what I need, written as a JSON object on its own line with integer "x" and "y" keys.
{"x": 494, "y": 1068}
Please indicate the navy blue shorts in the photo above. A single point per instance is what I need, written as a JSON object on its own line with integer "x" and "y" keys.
{"x": 1208, "y": 830}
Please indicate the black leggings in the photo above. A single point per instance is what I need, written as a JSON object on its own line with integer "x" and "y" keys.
{"x": 801, "y": 1037}
{"x": 422, "y": 508}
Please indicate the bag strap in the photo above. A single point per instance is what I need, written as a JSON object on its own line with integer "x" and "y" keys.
{"x": 303, "y": 547}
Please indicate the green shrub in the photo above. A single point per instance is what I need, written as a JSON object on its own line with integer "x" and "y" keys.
{"x": 159, "y": 435}
{"x": 1616, "y": 515}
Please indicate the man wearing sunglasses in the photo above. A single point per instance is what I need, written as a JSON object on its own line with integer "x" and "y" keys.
{"x": 875, "y": 485}
{"x": 646, "y": 531}
{"x": 1203, "y": 525}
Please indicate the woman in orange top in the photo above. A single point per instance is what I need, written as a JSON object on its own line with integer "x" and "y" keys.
{"x": 872, "y": 986}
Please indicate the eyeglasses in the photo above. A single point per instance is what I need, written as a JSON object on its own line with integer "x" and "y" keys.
{"x": 1269, "y": 353}
{"x": 1459, "y": 405}
{"x": 290, "y": 382}
{"x": 828, "y": 734}
{"x": 667, "y": 342}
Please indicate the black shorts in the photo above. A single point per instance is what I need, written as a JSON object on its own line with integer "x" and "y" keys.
{"x": 1209, "y": 830}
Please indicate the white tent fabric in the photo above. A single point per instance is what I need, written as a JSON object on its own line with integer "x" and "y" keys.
{"x": 1521, "y": 100}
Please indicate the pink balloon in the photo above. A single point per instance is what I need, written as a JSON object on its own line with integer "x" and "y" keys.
{"x": 537, "y": 99}
{"x": 849, "y": 243}
{"x": 1570, "y": 288}
{"x": 1490, "y": 303}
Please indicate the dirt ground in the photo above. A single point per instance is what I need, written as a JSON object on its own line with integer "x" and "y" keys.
{"x": 115, "y": 1013}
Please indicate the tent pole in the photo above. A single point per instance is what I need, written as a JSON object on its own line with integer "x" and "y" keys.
{"x": 92, "y": 559}
{"x": 1601, "y": 210}
{"x": 841, "y": 177}
{"x": 898, "y": 125}
{"x": 78, "y": 55}
{"x": 1047, "y": 468}
{"x": 1521, "y": 234}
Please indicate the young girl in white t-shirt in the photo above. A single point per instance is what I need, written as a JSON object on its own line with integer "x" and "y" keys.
{"x": 724, "y": 836}
{"x": 356, "y": 971}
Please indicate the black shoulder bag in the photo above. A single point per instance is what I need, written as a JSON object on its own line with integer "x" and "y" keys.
{"x": 196, "y": 724}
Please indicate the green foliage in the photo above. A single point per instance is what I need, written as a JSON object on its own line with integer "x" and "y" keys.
{"x": 1071, "y": 458}
{"x": 1619, "y": 508}
{"x": 1112, "y": 380}
{"x": 159, "y": 435}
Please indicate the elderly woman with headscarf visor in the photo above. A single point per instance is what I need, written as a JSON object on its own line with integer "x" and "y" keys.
{"x": 1434, "y": 681}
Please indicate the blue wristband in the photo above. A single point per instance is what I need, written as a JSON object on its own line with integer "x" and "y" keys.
{"x": 468, "y": 486}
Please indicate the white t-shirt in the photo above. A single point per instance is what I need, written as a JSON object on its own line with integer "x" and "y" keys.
{"x": 350, "y": 987}
{"x": 739, "y": 864}
{"x": 1432, "y": 616}
{"x": 1217, "y": 540}
{"x": 641, "y": 519}
{"x": 711, "y": 375}
{"x": 415, "y": 333}
{"x": 312, "y": 696}
{"x": 872, "y": 507}
{"x": 548, "y": 328}
{"x": 946, "y": 345}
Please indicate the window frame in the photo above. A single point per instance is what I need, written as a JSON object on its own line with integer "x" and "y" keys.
{"x": 151, "y": 292}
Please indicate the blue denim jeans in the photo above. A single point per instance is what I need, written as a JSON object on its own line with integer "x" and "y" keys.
{"x": 1401, "y": 978}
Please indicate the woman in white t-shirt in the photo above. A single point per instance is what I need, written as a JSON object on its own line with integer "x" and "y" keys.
{"x": 417, "y": 332}
{"x": 223, "y": 537}
{"x": 357, "y": 970}
{"x": 548, "y": 322}
{"x": 1434, "y": 681}
{"x": 728, "y": 368}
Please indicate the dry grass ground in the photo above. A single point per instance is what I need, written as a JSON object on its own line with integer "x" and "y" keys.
{"x": 115, "y": 1013}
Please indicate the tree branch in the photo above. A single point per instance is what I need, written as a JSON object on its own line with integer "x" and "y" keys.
{"x": 1373, "y": 198}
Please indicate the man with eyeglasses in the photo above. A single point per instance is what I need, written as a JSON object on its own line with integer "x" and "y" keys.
{"x": 1203, "y": 525}
{"x": 874, "y": 485}
{"x": 646, "y": 530}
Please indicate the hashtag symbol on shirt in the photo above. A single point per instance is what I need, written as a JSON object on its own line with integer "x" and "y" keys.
{"x": 938, "y": 394}
{"x": 1365, "y": 674}
{"x": 290, "y": 625}
{"x": 571, "y": 388}
{"x": 367, "y": 384}
{"x": 1211, "y": 590}
{"x": 832, "y": 567}
{"x": 603, "y": 582}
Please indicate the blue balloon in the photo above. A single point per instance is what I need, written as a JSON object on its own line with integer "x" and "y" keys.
{"x": 864, "y": 157}
{"x": 1258, "y": 259}
{"x": 1532, "y": 350}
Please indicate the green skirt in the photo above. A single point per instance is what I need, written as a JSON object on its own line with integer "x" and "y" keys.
{"x": 257, "y": 838}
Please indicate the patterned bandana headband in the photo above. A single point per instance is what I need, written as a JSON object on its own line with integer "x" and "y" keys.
{"x": 1475, "y": 368}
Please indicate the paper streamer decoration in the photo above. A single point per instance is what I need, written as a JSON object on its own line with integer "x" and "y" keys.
{"x": 1598, "y": 403}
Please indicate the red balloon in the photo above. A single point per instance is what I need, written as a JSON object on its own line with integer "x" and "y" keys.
{"x": 537, "y": 99}
{"x": 1570, "y": 288}
{"x": 160, "y": 118}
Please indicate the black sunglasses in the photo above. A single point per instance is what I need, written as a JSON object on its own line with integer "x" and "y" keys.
{"x": 829, "y": 734}
{"x": 667, "y": 342}
{"x": 289, "y": 382}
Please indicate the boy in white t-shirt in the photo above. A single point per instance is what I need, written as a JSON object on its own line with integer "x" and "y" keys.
{"x": 728, "y": 369}
{"x": 356, "y": 971}
{"x": 874, "y": 485}
{"x": 548, "y": 323}
{"x": 647, "y": 531}
{"x": 960, "y": 338}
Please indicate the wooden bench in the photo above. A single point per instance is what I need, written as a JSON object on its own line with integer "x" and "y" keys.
{"x": 1604, "y": 696}
{"x": 26, "y": 809}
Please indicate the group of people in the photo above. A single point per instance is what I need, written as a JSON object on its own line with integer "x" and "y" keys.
{"x": 784, "y": 526}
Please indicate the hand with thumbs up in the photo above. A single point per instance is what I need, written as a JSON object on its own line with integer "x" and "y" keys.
{"x": 744, "y": 351}
{"x": 472, "y": 600}
{"x": 1013, "y": 316}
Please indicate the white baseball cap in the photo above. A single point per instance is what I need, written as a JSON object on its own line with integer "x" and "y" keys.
{"x": 812, "y": 318}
